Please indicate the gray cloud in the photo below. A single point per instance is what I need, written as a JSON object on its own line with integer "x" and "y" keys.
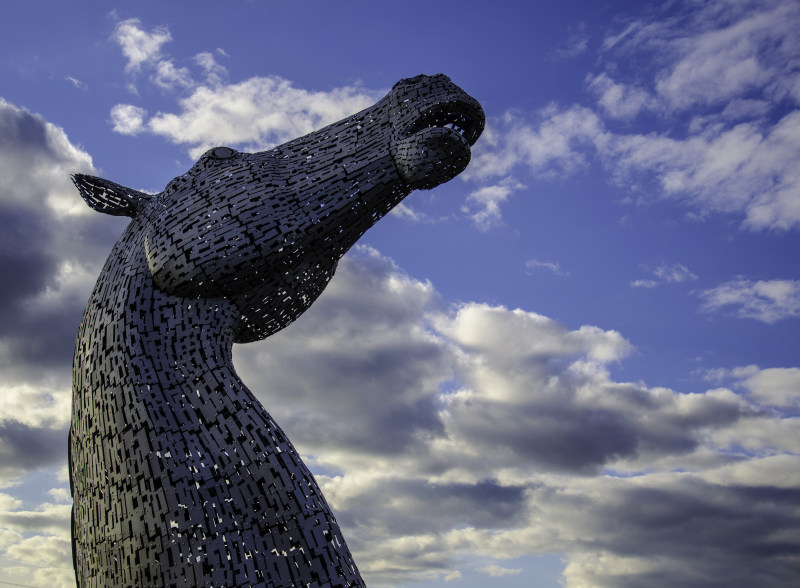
{"x": 518, "y": 437}
{"x": 27, "y": 266}
{"x": 362, "y": 351}
{"x": 51, "y": 247}
{"x": 51, "y": 243}
{"x": 25, "y": 448}
{"x": 417, "y": 506}
{"x": 684, "y": 532}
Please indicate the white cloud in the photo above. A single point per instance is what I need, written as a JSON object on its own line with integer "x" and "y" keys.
{"x": 168, "y": 77}
{"x": 770, "y": 386}
{"x": 710, "y": 53}
{"x": 256, "y": 113}
{"x": 765, "y": 436}
{"x": 45, "y": 560}
{"x": 552, "y": 266}
{"x": 35, "y": 406}
{"x": 483, "y": 205}
{"x": 780, "y": 471}
{"x": 24, "y": 135}
{"x": 60, "y": 495}
{"x": 721, "y": 54}
{"x": 509, "y": 335}
{"x": 142, "y": 49}
{"x": 665, "y": 274}
{"x": 734, "y": 62}
{"x": 48, "y": 518}
{"x": 128, "y": 119}
{"x": 644, "y": 283}
{"x": 674, "y": 273}
{"x": 749, "y": 169}
{"x": 743, "y": 108}
{"x": 764, "y": 300}
{"x": 77, "y": 83}
{"x": 775, "y": 386}
{"x": 139, "y": 46}
{"x": 410, "y": 213}
{"x": 213, "y": 70}
{"x": 619, "y": 100}
{"x": 259, "y": 112}
{"x": 553, "y": 147}
{"x": 496, "y": 571}
{"x": 742, "y": 169}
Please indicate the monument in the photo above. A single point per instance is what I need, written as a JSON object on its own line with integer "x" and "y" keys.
{"x": 179, "y": 475}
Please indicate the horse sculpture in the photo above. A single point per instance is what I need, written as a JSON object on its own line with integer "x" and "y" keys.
{"x": 178, "y": 474}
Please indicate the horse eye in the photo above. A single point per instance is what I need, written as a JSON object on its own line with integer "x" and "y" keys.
{"x": 223, "y": 153}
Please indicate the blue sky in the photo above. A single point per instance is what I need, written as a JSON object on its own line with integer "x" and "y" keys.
{"x": 576, "y": 364}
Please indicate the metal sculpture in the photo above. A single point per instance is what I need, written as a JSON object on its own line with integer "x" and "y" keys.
{"x": 178, "y": 474}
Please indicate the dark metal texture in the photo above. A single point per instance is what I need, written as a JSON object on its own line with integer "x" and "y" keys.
{"x": 179, "y": 476}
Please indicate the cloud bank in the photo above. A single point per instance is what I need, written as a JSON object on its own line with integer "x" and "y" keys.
{"x": 443, "y": 435}
{"x": 51, "y": 248}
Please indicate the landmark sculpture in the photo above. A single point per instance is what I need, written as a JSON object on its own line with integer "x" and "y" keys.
{"x": 179, "y": 475}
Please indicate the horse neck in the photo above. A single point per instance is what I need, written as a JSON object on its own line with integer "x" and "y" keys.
{"x": 146, "y": 342}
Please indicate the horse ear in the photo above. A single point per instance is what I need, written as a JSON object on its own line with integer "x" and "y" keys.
{"x": 108, "y": 197}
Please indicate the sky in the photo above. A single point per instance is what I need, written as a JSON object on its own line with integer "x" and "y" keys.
{"x": 577, "y": 364}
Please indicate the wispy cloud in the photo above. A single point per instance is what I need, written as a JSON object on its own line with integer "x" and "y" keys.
{"x": 496, "y": 571}
{"x": 167, "y": 76}
{"x": 533, "y": 265}
{"x": 576, "y": 43}
{"x": 554, "y": 146}
{"x": 142, "y": 50}
{"x": 77, "y": 83}
{"x": 214, "y": 72}
{"x": 665, "y": 274}
{"x": 410, "y": 213}
{"x": 619, "y": 100}
{"x": 734, "y": 64}
{"x": 482, "y": 206}
{"x": 764, "y": 300}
